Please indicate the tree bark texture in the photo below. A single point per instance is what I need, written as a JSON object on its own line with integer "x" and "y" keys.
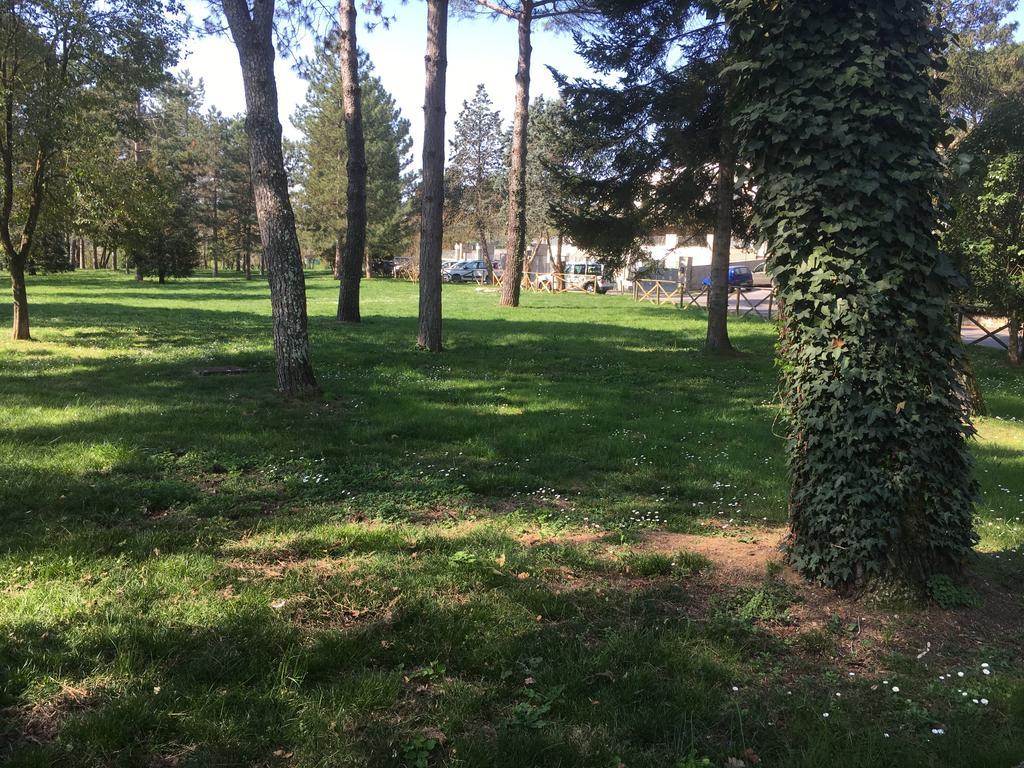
{"x": 559, "y": 264}
{"x": 355, "y": 237}
{"x": 516, "y": 253}
{"x": 431, "y": 217}
{"x": 717, "y": 339}
{"x": 1014, "y": 351}
{"x": 485, "y": 252}
{"x": 20, "y": 326}
{"x": 252, "y": 35}
{"x": 17, "y": 254}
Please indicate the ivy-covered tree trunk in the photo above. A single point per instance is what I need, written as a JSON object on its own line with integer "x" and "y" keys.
{"x": 516, "y": 246}
{"x": 839, "y": 124}
{"x": 431, "y": 216}
{"x": 355, "y": 236}
{"x": 252, "y": 32}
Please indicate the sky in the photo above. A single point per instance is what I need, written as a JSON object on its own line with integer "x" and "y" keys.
{"x": 480, "y": 50}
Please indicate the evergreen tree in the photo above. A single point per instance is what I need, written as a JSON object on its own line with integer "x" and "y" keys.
{"x": 163, "y": 210}
{"x": 569, "y": 15}
{"x": 477, "y": 171}
{"x": 651, "y": 143}
{"x": 252, "y": 31}
{"x": 428, "y": 334}
{"x": 320, "y": 164}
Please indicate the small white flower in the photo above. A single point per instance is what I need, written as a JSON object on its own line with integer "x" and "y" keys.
{"x": 959, "y": 674}
{"x": 986, "y": 671}
{"x": 895, "y": 689}
{"x": 824, "y": 714}
{"x": 985, "y": 702}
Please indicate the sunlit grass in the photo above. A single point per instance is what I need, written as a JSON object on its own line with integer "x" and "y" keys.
{"x": 193, "y": 572}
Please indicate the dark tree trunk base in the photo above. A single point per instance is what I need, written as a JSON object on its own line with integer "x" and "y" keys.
{"x": 20, "y": 330}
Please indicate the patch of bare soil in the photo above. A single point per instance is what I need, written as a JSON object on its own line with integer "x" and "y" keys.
{"x": 533, "y": 538}
{"x": 737, "y": 559}
{"x": 277, "y": 569}
{"x": 40, "y": 723}
{"x": 862, "y": 626}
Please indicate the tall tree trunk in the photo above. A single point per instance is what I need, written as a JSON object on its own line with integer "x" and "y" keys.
{"x": 95, "y": 256}
{"x": 113, "y": 258}
{"x": 431, "y": 217}
{"x": 355, "y": 166}
{"x": 338, "y": 250}
{"x": 252, "y": 35}
{"x": 717, "y": 339}
{"x": 559, "y": 264}
{"x": 1015, "y": 340}
{"x": 138, "y": 272}
{"x": 516, "y": 247}
{"x": 20, "y": 326}
{"x": 485, "y": 251}
{"x": 247, "y": 259}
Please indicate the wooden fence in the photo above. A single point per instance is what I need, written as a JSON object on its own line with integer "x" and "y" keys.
{"x": 973, "y": 316}
{"x": 741, "y": 302}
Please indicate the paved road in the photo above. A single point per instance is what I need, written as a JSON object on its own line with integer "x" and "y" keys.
{"x": 758, "y": 297}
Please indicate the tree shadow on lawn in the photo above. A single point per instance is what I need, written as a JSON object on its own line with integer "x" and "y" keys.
{"x": 259, "y": 680}
{"x": 351, "y": 663}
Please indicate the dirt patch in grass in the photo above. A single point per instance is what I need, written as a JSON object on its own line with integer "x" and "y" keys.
{"x": 532, "y": 538}
{"x": 860, "y": 628}
{"x": 40, "y": 723}
{"x": 277, "y": 569}
{"x": 737, "y": 560}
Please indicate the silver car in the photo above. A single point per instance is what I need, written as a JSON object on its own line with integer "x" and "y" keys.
{"x": 465, "y": 272}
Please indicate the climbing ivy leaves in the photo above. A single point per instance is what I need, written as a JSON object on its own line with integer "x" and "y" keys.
{"x": 838, "y": 121}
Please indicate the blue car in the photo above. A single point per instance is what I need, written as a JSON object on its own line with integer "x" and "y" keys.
{"x": 739, "y": 277}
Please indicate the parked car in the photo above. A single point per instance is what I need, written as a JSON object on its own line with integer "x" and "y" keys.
{"x": 587, "y": 277}
{"x": 739, "y": 277}
{"x": 761, "y": 277}
{"x": 465, "y": 272}
{"x": 382, "y": 267}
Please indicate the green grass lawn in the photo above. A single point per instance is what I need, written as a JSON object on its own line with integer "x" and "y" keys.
{"x": 451, "y": 560}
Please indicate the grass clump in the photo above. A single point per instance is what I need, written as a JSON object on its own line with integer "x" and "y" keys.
{"x": 640, "y": 563}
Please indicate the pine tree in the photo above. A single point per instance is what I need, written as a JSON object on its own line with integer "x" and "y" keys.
{"x": 253, "y": 34}
{"x": 477, "y": 171}
{"x": 320, "y": 163}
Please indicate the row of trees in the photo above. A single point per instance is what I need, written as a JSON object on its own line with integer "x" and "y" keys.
{"x": 839, "y": 141}
{"x": 154, "y": 185}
